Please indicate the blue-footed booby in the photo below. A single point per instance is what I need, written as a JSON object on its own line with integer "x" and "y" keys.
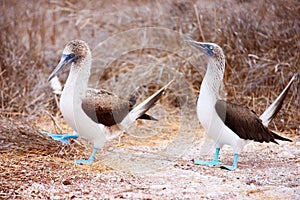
{"x": 97, "y": 115}
{"x": 227, "y": 123}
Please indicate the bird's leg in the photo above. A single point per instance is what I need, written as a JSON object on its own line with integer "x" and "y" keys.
{"x": 234, "y": 165}
{"x": 90, "y": 160}
{"x": 214, "y": 162}
{"x": 62, "y": 137}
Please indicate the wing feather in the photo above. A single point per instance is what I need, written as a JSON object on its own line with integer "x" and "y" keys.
{"x": 244, "y": 122}
{"x": 104, "y": 107}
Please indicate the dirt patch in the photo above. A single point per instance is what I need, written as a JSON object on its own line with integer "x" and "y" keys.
{"x": 38, "y": 167}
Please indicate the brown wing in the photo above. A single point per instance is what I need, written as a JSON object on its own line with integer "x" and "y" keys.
{"x": 244, "y": 122}
{"x": 105, "y": 107}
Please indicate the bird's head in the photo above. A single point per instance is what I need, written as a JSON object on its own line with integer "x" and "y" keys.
{"x": 75, "y": 51}
{"x": 211, "y": 50}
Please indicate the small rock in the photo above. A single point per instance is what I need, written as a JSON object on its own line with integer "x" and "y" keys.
{"x": 66, "y": 182}
{"x": 159, "y": 187}
{"x": 286, "y": 154}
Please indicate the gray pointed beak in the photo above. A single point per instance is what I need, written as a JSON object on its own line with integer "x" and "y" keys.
{"x": 64, "y": 61}
{"x": 198, "y": 45}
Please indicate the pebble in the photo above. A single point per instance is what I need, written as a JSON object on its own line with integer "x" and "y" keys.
{"x": 286, "y": 154}
{"x": 159, "y": 187}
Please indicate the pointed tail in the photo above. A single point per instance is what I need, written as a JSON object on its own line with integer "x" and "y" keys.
{"x": 143, "y": 107}
{"x": 273, "y": 109}
{"x": 132, "y": 102}
{"x": 278, "y": 137}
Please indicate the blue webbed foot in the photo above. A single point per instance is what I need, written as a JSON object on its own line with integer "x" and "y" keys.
{"x": 208, "y": 163}
{"x": 214, "y": 162}
{"x": 234, "y": 165}
{"x": 228, "y": 167}
{"x": 88, "y": 161}
{"x": 63, "y": 138}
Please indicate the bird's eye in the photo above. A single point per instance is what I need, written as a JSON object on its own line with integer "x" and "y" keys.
{"x": 211, "y": 47}
{"x": 71, "y": 55}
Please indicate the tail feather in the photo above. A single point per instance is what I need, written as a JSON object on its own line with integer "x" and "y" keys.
{"x": 278, "y": 137}
{"x": 143, "y": 107}
{"x": 132, "y": 102}
{"x": 273, "y": 109}
{"x": 147, "y": 117}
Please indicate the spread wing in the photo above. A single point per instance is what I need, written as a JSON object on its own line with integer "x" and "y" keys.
{"x": 244, "y": 122}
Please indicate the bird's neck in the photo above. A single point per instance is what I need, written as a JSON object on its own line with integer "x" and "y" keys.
{"x": 73, "y": 93}
{"x": 213, "y": 79}
{"x": 77, "y": 81}
{"x": 209, "y": 94}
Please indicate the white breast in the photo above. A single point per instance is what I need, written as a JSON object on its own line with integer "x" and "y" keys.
{"x": 69, "y": 101}
{"x": 70, "y": 106}
{"x": 213, "y": 124}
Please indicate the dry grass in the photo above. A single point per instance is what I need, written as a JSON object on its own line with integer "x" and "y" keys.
{"x": 257, "y": 39}
{"x": 260, "y": 40}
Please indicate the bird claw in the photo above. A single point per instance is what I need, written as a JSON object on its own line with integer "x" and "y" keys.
{"x": 62, "y": 138}
{"x": 207, "y": 163}
{"x": 228, "y": 167}
{"x": 88, "y": 161}
{"x": 233, "y": 166}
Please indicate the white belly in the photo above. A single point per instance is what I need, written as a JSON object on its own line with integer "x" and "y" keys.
{"x": 70, "y": 106}
{"x": 67, "y": 108}
{"x": 215, "y": 127}
{"x": 76, "y": 118}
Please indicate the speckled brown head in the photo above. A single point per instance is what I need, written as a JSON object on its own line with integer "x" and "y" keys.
{"x": 76, "y": 51}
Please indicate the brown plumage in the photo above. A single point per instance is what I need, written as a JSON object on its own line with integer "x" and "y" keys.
{"x": 106, "y": 108}
{"x": 245, "y": 122}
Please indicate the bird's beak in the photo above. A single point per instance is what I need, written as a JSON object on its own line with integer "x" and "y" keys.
{"x": 198, "y": 45}
{"x": 64, "y": 61}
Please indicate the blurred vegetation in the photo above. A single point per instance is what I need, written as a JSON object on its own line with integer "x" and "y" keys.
{"x": 261, "y": 41}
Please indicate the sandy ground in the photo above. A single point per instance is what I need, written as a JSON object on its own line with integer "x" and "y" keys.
{"x": 42, "y": 168}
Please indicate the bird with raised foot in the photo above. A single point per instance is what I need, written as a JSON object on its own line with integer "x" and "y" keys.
{"x": 97, "y": 115}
